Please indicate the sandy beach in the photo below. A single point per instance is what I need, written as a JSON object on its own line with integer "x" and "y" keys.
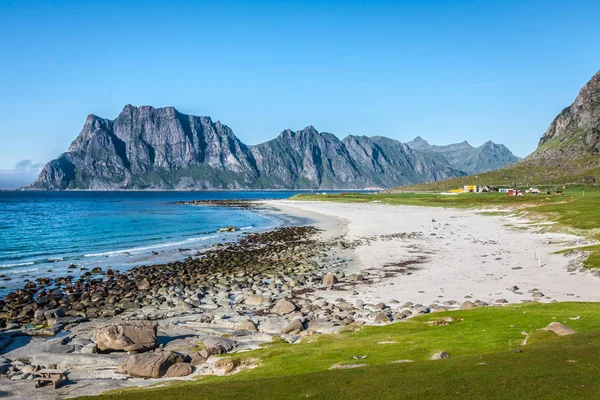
{"x": 460, "y": 253}
{"x": 368, "y": 264}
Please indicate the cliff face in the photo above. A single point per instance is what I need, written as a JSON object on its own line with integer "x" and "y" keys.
{"x": 576, "y": 130}
{"x": 161, "y": 148}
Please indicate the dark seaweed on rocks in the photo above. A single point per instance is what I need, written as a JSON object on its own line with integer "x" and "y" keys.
{"x": 243, "y": 204}
{"x": 228, "y": 267}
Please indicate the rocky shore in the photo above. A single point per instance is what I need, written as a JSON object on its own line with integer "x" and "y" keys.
{"x": 113, "y": 329}
{"x": 167, "y": 321}
{"x": 242, "y": 204}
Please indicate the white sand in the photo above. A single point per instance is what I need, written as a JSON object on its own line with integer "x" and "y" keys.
{"x": 467, "y": 253}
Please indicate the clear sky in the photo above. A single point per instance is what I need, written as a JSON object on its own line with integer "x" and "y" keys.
{"x": 445, "y": 70}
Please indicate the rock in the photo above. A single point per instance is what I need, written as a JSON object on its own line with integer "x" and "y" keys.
{"x": 439, "y": 356}
{"x": 143, "y": 284}
{"x": 382, "y": 318}
{"x": 247, "y": 325}
{"x": 217, "y": 341}
{"x": 28, "y": 369}
{"x": 127, "y": 336}
{"x": 272, "y": 325}
{"x": 90, "y": 348}
{"x": 283, "y": 307}
{"x": 320, "y": 325}
{"x": 467, "y": 305}
{"x": 537, "y": 294}
{"x": 560, "y": 329}
{"x": 329, "y": 279}
{"x": 295, "y": 326}
{"x": 4, "y": 368}
{"x": 257, "y": 300}
{"x": 179, "y": 370}
{"x": 151, "y": 365}
{"x": 197, "y": 359}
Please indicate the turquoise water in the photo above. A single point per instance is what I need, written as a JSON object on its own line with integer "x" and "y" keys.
{"x": 42, "y": 233}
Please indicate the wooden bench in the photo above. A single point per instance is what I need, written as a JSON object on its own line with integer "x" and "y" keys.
{"x": 53, "y": 376}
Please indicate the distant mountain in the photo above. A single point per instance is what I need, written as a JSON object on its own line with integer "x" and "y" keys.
{"x": 469, "y": 159}
{"x": 161, "y": 148}
{"x": 568, "y": 152}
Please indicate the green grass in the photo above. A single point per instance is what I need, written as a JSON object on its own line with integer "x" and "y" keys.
{"x": 554, "y": 171}
{"x": 490, "y": 335}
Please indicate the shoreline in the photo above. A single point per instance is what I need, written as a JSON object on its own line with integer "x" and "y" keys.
{"x": 465, "y": 254}
{"x": 356, "y": 264}
{"x": 16, "y": 275}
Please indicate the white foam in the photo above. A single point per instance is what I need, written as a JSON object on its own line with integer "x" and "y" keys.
{"x": 16, "y": 265}
{"x": 136, "y": 250}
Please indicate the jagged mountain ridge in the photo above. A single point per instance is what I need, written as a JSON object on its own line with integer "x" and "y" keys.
{"x": 161, "y": 148}
{"x": 464, "y": 157}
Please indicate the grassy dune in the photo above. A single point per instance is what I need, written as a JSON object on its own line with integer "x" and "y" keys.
{"x": 483, "y": 363}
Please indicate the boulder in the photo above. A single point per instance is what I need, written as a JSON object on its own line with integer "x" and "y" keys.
{"x": 143, "y": 284}
{"x": 439, "y": 356}
{"x": 217, "y": 341}
{"x": 151, "y": 365}
{"x": 4, "y": 367}
{"x": 322, "y": 325}
{"x": 560, "y": 329}
{"x": 247, "y": 325}
{"x": 127, "y": 336}
{"x": 89, "y": 348}
{"x": 197, "y": 359}
{"x": 179, "y": 370}
{"x": 293, "y": 327}
{"x": 382, "y": 318}
{"x": 257, "y": 300}
{"x": 467, "y": 305}
{"x": 272, "y": 325}
{"x": 329, "y": 279}
{"x": 283, "y": 307}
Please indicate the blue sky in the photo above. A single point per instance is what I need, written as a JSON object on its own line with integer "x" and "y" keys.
{"x": 445, "y": 70}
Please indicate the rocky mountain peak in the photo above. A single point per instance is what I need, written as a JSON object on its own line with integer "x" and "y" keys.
{"x": 576, "y": 130}
{"x": 160, "y": 148}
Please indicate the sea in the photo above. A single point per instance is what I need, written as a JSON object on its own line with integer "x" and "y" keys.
{"x": 46, "y": 234}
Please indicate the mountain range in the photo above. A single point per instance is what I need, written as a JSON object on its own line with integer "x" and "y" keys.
{"x": 161, "y": 148}
{"x": 567, "y": 153}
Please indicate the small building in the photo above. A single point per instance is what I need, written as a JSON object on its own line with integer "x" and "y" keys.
{"x": 533, "y": 190}
{"x": 558, "y": 192}
{"x": 503, "y": 190}
{"x": 470, "y": 189}
{"x": 515, "y": 192}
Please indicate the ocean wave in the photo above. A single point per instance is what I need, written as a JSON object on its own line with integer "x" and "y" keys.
{"x": 21, "y": 271}
{"x": 16, "y": 264}
{"x": 246, "y": 227}
{"x": 142, "y": 249}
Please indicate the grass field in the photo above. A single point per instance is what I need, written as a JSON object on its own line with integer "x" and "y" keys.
{"x": 483, "y": 363}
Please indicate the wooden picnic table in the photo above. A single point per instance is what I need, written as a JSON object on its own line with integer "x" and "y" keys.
{"x": 54, "y": 376}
